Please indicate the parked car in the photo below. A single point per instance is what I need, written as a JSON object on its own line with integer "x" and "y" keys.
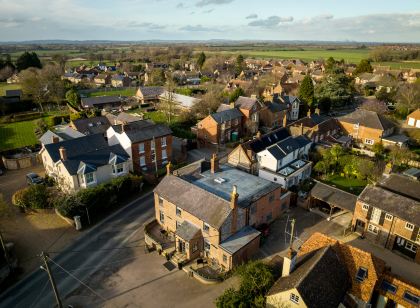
{"x": 34, "y": 179}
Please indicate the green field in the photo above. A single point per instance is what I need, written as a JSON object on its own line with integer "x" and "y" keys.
{"x": 123, "y": 92}
{"x": 5, "y": 86}
{"x": 351, "y": 185}
{"x": 17, "y": 135}
{"x": 399, "y": 65}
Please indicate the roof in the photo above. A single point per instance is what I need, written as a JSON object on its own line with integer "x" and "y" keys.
{"x": 367, "y": 118}
{"x": 289, "y": 99}
{"x": 334, "y": 196}
{"x": 88, "y": 102}
{"x": 151, "y": 91}
{"x": 187, "y": 231}
{"x": 191, "y": 198}
{"x": 142, "y": 130}
{"x": 183, "y": 100}
{"x": 391, "y": 202}
{"x": 311, "y": 121}
{"x": 320, "y": 278}
{"x": 287, "y": 146}
{"x": 86, "y": 152}
{"x": 226, "y": 115}
{"x": 89, "y": 126}
{"x": 402, "y": 185}
{"x": 240, "y": 239}
{"x": 413, "y": 173}
{"x": 245, "y": 102}
{"x": 260, "y": 144}
{"x": 353, "y": 258}
{"x": 127, "y": 118}
{"x": 415, "y": 114}
{"x": 396, "y": 138}
{"x": 276, "y": 107}
{"x": 47, "y": 137}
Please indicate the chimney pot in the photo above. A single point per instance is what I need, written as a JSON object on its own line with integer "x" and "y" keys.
{"x": 234, "y": 198}
{"x": 214, "y": 163}
{"x": 63, "y": 153}
{"x": 168, "y": 168}
{"x": 258, "y": 135}
{"x": 55, "y": 139}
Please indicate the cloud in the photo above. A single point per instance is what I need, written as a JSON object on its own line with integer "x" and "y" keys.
{"x": 208, "y": 11}
{"x": 270, "y": 22}
{"x": 202, "y": 3}
{"x": 252, "y": 16}
{"x": 180, "y": 5}
{"x": 147, "y": 25}
{"x": 198, "y": 28}
{"x": 11, "y": 22}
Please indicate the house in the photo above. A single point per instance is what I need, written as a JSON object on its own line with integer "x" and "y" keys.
{"x": 212, "y": 209}
{"x": 119, "y": 81}
{"x": 316, "y": 127}
{"x": 413, "y": 119}
{"x": 180, "y": 102}
{"x": 294, "y": 103}
{"x": 101, "y": 102}
{"x": 149, "y": 94}
{"x": 244, "y": 156}
{"x": 102, "y": 79}
{"x": 366, "y": 127}
{"x": 122, "y": 118}
{"x": 220, "y": 127}
{"x": 58, "y": 134}
{"x": 274, "y": 115}
{"x": 233, "y": 84}
{"x": 326, "y": 272}
{"x": 84, "y": 162}
{"x": 388, "y": 214}
{"x": 285, "y": 162}
{"x": 91, "y": 126}
{"x": 149, "y": 145}
{"x": 250, "y": 108}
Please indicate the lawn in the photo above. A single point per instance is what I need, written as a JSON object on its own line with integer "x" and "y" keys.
{"x": 351, "y": 185}
{"x": 123, "y": 92}
{"x": 6, "y": 86}
{"x": 17, "y": 135}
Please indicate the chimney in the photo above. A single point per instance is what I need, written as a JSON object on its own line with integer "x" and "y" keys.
{"x": 232, "y": 105}
{"x": 284, "y": 120}
{"x": 168, "y": 168}
{"x": 234, "y": 207}
{"x": 289, "y": 260}
{"x": 55, "y": 139}
{"x": 234, "y": 198}
{"x": 63, "y": 153}
{"x": 258, "y": 135}
{"x": 123, "y": 127}
{"x": 301, "y": 128}
{"x": 309, "y": 113}
{"x": 317, "y": 111}
{"x": 214, "y": 163}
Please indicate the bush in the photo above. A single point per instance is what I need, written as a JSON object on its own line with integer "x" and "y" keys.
{"x": 56, "y": 120}
{"x": 33, "y": 197}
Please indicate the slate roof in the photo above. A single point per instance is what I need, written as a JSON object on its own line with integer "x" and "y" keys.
{"x": 92, "y": 150}
{"x": 401, "y": 185}
{"x": 245, "y": 102}
{"x": 320, "y": 278}
{"x": 95, "y": 125}
{"x": 47, "y": 137}
{"x": 334, "y": 196}
{"x": 187, "y": 231}
{"x": 240, "y": 239}
{"x": 367, "y": 118}
{"x": 277, "y": 107}
{"x": 287, "y": 145}
{"x": 393, "y": 203}
{"x": 260, "y": 144}
{"x": 226, "y": 115}
{"x": 89, "y": 102}
{"x": 143, "y": 130}
{"x": 151, "y": 91}
{"x": 289, "y": 99}
{"x": 194, "y": 200}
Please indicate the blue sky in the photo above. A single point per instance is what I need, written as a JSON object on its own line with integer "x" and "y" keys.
{"x": 355, "y": 20}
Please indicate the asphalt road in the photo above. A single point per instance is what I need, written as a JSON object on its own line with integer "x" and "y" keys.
{"x": 94, "y": 248}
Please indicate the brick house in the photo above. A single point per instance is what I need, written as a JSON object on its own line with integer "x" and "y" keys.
{"x": 274, "y": 115}
{"x": 212, "y": 209}
{"x": 149, "y": 94}
{"x": 389, "y": 214}
{"x": 366, "y": 127}
{"x": 250, "y": 108}
{"x": 413, "y": 119}
{"x": 149, "y": 145}
{"x": 220, "y": 127}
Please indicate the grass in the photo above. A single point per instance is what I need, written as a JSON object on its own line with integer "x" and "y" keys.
{"x": 17, "y": 135}
{"x": 351, "y": 185}
{"x": 399, "y": 65}
{"x": 123, "y": 92}
{"x": 6, "y": 86}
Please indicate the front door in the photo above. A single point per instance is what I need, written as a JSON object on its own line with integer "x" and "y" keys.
{"x": 181, "y": 246}
{"x": 360, "y": 226}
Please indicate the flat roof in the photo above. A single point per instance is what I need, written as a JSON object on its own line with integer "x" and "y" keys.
{"x": 240, "y": 239}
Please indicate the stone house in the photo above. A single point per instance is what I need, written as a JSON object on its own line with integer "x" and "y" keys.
{"x": 149, "y": 94}
{"x": 119, "y": 81}
{"x": 413, "y": 119}
{"x": 102, "y": 79}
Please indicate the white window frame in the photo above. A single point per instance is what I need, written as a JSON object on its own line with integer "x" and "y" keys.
{"x": 365, "y": 207}
{"x": 144, "y": 161}
{"x": 410, "y": 246}
{"x": 161, "y": 217}
{"x": 207, "y": 243}
{"x": 178, "y": 212}
{"x": 369, "y": 141}
{"x": 388, "y": 217}
{"x": 141, "y": 148}
{"x": 294, "y": 298}
{"x": 206, "y": 227}
{"x": 376, "y": 215}
{"x": 373, "y": 229}
{"x": 409, "y": 226}
{"x": 164, "y": 154}
{"x": 117, "y": 167}
{"x": 163, "y": 142}
{"x": 86, "y": 178}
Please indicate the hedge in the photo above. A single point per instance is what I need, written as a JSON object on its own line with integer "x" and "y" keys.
{"x": 56, "y": 120}
{"x": 33, "y": 197}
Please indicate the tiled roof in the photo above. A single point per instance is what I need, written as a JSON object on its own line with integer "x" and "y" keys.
{"x": 367, "y": 118}
{"x": 226, "y": 115}
{"x": 187, "y": 231}
{"x": 143, "y": 130}
{"x": 246, "y": 102}
{"x": 151, "y": 91}
{"x": 95, "y": 125}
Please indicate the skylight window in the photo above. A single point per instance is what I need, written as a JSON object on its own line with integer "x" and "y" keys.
{"x": 361, "y": 274}
{"x": 388, "y": 287}
{"x": 411, "y": 298}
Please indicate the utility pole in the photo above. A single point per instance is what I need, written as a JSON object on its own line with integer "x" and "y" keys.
{"x": 44, "y": 257}
{"x": 6, "y": 253}
{"x": 292, "y": 223}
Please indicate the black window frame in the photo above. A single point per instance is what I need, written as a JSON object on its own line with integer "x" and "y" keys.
{"x": 387, "y": 287}
{"x": 360, "y": 278}
{"x": 406, "y": 292}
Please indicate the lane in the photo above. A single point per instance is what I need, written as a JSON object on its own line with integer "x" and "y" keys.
{"x": 96, "y": 247}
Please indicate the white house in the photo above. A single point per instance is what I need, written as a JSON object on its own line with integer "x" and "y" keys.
{"x": 285, "y": 161}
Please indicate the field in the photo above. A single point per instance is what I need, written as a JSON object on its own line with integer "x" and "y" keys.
{"x": 351, "y": 185}
{"x": 17, "y": 135}
{"x": 5, "y": 86}
{"x": 123, "y": 92}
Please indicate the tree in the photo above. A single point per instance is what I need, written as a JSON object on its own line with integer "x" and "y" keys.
{"x": 167, "y": 105}
{"x": 26, "y": 60}
{"x": 40, "y": 128}
{"x": 330, "y": 64}
{"x": 53, "y": 83}
{"x": 306, "y": 92}
{"x": 239, "y": 65}
{"x": 363, "y": 67}
{"x": 32, "y": 86}
{"x": 335, "y": 89}
{"x": 6, "y": 72}
{"x": 235, "y": 94}
{"x": 73, "y": 98}
{"x": 386, "y": 95}
{"x": 157, "y": 78}
{"x": 408, "y": 97}
{"x": 379, "y": 149}
{"x": 201, "y": 59}
{"x": 210, "y": 101}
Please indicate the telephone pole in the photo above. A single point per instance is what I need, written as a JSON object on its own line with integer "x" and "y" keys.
{"x": 292, "y": 223}
{"x": 44, "y": 257}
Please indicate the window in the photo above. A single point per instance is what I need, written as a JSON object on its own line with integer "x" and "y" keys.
{"x": 253, "y": 209}
{"x": 294, "y": 298}
{"x": 152, "y": 145}
{"x": 410, "y": 246}
{"x": 361, "y": 274}
{"x": 164, "y": 155}
{"x": 365, "y": 207}
{"x": 161, "y": 217}
{"x": 376, "y": 215}
{"x": 411, "y": 298}
{"x": 369, "y": 141}
{"x": 388, "y": 217}
{"x": 195, "y": 247}
{"x": 160, "y": 201}
{"x": 117, "y": 169}
{"x": 163, "y": 141}
{"x": 271, "y": 198}
{"x": 388, "y": 287}
{"x": 206, "y": 245}
{"x": 206, "y": 227}
{"x": 178, "y": 212}
{"x": 373, "y": 229}
{"x": 224, "y": 258}
{"x": 142, "y": 161}
{"x": 141, "y": 148}
{"x": 89, "y": 178}
{"x": 409, "y": 226}
{"x": 178, "y": 224}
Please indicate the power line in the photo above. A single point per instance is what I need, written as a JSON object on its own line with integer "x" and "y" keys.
{"x": 39, "y": 295}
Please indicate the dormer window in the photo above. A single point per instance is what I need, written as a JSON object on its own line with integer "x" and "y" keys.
{"x": 361, "y": 274}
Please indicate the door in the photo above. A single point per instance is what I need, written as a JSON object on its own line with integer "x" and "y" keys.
{"x": 181, "y": 246}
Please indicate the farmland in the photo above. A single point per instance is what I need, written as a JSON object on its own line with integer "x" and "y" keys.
{"x": 17, "y": 135}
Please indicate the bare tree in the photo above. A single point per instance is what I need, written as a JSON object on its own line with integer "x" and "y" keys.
{"x": 408, "y": 97}
{"x": 167, "y": 105}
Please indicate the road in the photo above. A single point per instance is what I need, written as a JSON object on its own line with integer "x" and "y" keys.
{"x": 94, "y": 248}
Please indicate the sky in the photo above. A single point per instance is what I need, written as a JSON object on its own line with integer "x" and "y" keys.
{"x": 326, "y": 20}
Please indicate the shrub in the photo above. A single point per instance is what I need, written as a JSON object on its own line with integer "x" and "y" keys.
{"x": 56, "y": 120}
{"x": 34, "y": 197}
